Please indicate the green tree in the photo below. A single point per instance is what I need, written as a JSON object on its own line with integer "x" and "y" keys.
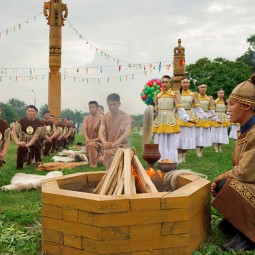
{"x": 42, "y": 109}
{"x": 75, "y": 116}
{"x": 249, "y": 56}
{"x": 217, "y": 73}
{"x": 8, "y": 113}
{"x": 18, "y": 106}
{"x": 138, "y": 120}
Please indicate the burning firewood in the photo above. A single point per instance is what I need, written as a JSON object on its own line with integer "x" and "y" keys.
{"x": 126, "y": 175}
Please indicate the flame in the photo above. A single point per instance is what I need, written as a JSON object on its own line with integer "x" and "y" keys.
{"x": 150, "y": 172}
{"x": 154, "y": 174}
{"x": 134, "y": 172}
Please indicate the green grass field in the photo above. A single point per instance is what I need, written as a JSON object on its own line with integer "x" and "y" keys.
{"x": 20, "y": 212}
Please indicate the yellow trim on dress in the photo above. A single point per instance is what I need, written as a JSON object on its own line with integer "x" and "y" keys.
{"x": 166, "y": 129}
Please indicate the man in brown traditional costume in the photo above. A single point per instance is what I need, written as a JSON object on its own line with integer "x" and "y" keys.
{"x": 28, "y": 129}
{"x": 69, "y": 131}
{"x": 61, "y": 131}
{"x": 234, "y": 190}
{"x": 4, "y": 138}
{"x": 54, "y": 140}
{"x": 73, "y": 132}
{"x": 90, "y": 129}
{"x": 114, "y": 130}
{"x": 49, "y": 132}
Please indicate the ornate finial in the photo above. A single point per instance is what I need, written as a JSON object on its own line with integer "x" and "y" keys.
{"x": 55, "y": 12}
{"x": 179, "y": 49}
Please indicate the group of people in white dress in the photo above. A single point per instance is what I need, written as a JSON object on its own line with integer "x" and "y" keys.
{"x": 189, "y": 120}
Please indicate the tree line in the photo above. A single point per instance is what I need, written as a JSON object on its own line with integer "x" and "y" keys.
{"x": 15, "y": 109}
{"x": 223, "y": 73}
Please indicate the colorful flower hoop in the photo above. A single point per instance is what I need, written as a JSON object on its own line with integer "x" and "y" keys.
{"x": 150, "y": 88}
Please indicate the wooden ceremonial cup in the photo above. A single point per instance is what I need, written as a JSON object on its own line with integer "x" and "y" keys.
{"x": 151, "y": 154}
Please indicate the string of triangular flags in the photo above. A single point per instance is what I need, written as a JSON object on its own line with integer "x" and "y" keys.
{"x": 18, "y": 26}
{"x": 12, "y": 75}
{"x": 119, "y": 62}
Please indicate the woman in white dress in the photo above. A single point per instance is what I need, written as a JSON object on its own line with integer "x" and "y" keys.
{"x": 187, "y": 137}
{"x": 203, "y": 127}
{"x": 219, "y": 132}
{"x": 166, "y": 128}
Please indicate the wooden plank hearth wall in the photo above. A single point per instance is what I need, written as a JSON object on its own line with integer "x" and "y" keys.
{"x": 78, "y": 223}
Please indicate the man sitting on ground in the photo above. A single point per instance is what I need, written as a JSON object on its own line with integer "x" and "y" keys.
{"x": 114, "y": 130}
{"x": 28, "y": 129}
{"x": 4, "y": 138}
{"x": 90, "y": 129}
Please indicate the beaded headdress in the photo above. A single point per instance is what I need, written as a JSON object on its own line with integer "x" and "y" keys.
{"x": 244, "y": 93}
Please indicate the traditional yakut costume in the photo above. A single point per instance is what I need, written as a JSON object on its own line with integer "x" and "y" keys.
{"x": 48, "y": 131}
{"x": 27, "y": 129}
{"x": 114, "y": 130}
{"x": 236, "y": 199}
{"x": 203, "y": 126}
{"x": 4, "y": 139}
{"x": 94, "y": 148}
{"x": 219, "y": 131}
{"x": 166, "y": 128}
{"x": 115, "y": 127}
{"x": 187, "y": 137}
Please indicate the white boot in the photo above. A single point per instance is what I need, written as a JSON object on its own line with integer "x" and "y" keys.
{"x": 180, "y": 157}
{"x": 199, "y": 152}
{"x": 184, "y": 157}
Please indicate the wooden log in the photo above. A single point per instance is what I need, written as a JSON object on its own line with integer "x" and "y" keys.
{"x": 133, "y": 185}
{"x": 145, "y": 179}
{"x": 120, "y": 186}
{"x": 116, "y": 178}
{"x": 127, "y": 172}
{"x": 100, "y": 184}
{"x": 110, "y": 173}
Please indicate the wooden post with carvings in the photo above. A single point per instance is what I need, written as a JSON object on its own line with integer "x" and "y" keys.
{"x": 179, "y": 65}
{"x": 55, "y": 12}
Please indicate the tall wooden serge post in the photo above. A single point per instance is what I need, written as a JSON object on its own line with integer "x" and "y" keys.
{"x": 55, "y": 12}
{"x": 179, "y": 65}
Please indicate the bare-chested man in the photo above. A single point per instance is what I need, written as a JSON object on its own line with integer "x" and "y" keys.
{"x": 115, "y": 129}
{"x": 90, "y": 129}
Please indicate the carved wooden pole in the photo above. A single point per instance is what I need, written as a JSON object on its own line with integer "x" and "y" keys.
{"x": 55, "y": 12}
{"x": 179, "y": 65}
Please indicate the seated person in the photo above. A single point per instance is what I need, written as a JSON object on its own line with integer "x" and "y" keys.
{"x": 48, "y": 133}
{"x": 4, "y": 138}
{"x": 114, "y": 130}
{"x": 90, "y": 129}
{"x": 26, "y": 134}
{"x": 234, "y": 190}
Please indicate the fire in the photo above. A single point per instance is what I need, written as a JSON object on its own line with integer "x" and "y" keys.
{"x": 154, "y": 174}
{"x": 136, "y": 175}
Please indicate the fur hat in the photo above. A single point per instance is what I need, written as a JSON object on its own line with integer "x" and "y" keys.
{"x": 244, "y": 93}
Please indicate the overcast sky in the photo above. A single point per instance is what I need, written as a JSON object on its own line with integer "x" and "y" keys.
{"x": 130, "y": 31}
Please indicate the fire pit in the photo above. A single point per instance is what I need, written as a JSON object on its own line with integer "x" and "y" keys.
{"x": 82, "y": 223}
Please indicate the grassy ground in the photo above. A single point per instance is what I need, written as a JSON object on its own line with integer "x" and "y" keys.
{"x": 20, "y": 212}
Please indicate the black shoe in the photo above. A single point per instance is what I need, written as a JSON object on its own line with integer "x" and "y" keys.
{"x": 239, "y": 243}
{"x": 227, "y": 228}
